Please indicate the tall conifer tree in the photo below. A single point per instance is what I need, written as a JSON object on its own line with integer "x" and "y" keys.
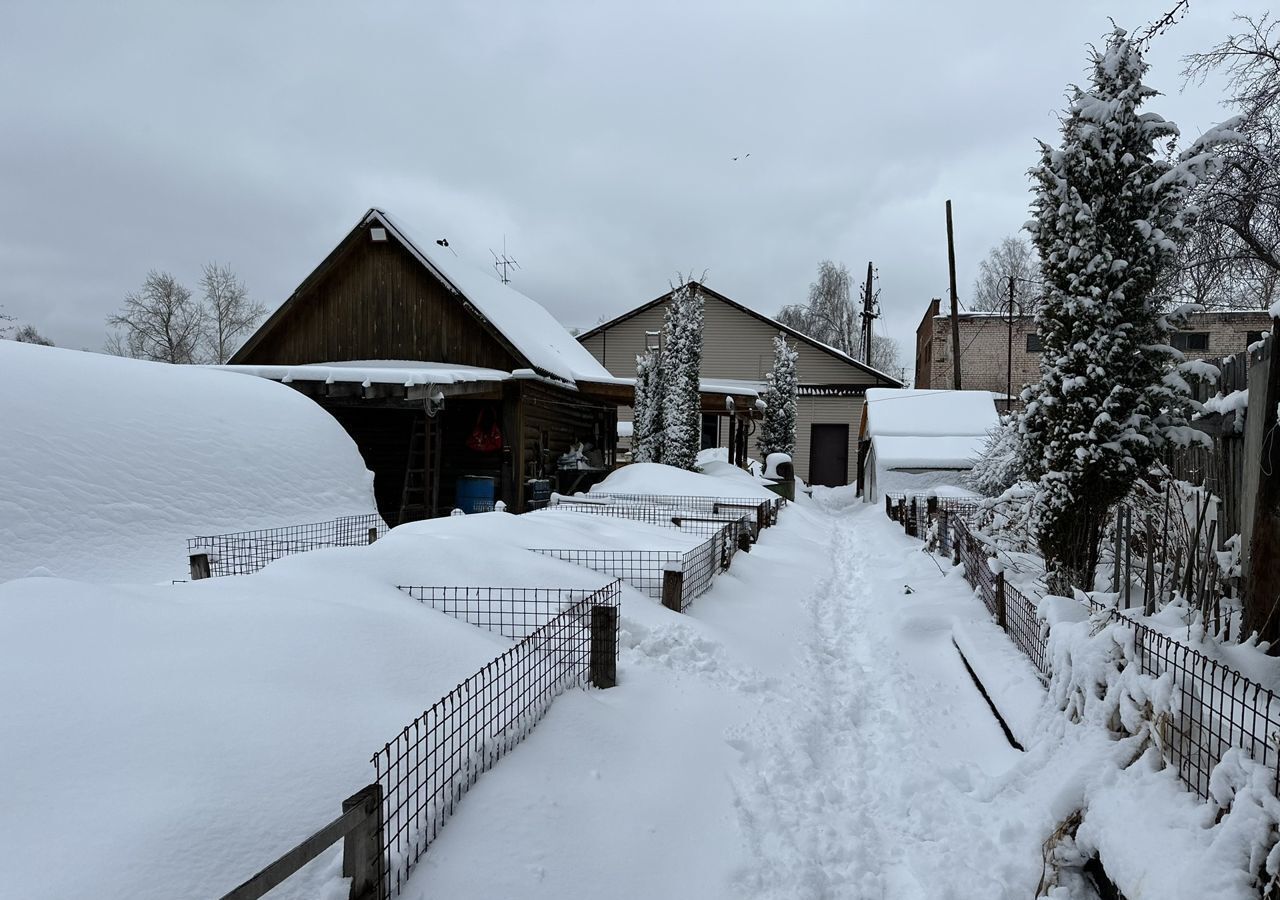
{"x": 778, "y": 432}
{"x": 681, "y": 365}
{"x": 1108, "y": 214}
{"x": 646, "y": 428}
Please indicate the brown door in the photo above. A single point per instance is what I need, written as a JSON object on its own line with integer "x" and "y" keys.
{"x": 829, "y": 455}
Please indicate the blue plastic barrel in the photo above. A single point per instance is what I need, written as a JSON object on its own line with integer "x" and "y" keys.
{"x": 474, "y": 493}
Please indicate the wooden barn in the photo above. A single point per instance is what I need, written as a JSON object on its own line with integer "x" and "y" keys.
{"x": 444, "y": 377}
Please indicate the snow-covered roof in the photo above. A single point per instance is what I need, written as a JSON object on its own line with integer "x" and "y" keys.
{"x": 926, "y": 413}
{"x": 526, "y": 324}
{"x": 916, "y": 452}
{"x": 375, "y": 371}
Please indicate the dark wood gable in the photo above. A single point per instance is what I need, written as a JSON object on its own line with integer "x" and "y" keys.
{"x": 375, "y": 300}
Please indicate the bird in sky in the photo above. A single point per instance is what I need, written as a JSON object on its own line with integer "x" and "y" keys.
{"x": 736, "y": 158}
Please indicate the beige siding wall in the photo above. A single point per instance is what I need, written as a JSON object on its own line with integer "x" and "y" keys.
{"x": 826, "y": 410}
{"x": 739, "y": 346}
{"x": 735, "y": 345}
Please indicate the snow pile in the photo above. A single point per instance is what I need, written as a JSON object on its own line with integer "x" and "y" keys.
{"x": 952, "y": 452}
{"x": 926, "y": 413}
{"x": 552, "y": 529}
{"x": 654, "y": 478}
{"x": 1182, "y": 847}
{"x": 1235, "y": 402}
{"x": 179, "y": 737}
{"x": 107, "y": 464}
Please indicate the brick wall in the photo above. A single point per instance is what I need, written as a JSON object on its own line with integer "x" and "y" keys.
{"x": 984, "y": 346}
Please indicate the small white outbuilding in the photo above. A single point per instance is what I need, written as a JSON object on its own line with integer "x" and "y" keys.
{"x": 921, "y": 441}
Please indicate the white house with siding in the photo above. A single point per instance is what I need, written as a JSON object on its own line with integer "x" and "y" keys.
{"x": 738, "y": 348}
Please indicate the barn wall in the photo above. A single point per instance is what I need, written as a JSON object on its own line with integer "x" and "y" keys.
{"x": 551, "y": 419}
{"x": 375, "y": 301}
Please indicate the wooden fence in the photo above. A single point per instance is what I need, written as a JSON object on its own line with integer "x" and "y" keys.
{"x": 1230, "y": 468}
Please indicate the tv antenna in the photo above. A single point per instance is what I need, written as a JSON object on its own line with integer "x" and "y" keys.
{"x": 503, "y": 264}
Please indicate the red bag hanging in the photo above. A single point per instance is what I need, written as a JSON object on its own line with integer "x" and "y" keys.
{"x": 485, "y": 437}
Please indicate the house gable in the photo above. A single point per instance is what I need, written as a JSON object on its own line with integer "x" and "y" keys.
{"x": 373, "y": 299}
{"x": 737, "y": 344}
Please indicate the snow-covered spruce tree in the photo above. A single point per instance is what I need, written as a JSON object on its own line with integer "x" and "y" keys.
{"x": 778, "y": 431}
{"x": 1108, "y": 214}
{"x": 681, "y": 364}
{"x": 646, "y": 427}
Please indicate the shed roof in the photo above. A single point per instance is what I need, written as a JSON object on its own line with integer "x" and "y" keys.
{"x": 925, "y": 413}
{"x": 533, "y": 331}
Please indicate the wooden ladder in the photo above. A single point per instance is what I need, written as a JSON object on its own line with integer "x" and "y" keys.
{"x": 422, "y": 471}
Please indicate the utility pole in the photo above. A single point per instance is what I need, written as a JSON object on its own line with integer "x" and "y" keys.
{"x": 1008, "y": 384}
{"x": 868, "y": 315}
{"x": 955, "y": 304}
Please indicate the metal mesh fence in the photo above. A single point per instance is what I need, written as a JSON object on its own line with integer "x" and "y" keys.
{"x": 243, "y": 552}
{"x": 1218, "y": 708}
{"x": 645, "y": 569}
{"x": 1025, "y": 630}
{"x": 642, "y": 569}
{"x": 703, "y": 522}
{"x": 917, "y": 512}
{"x": 426, "y": 769}
{"x": 512, "y": 612}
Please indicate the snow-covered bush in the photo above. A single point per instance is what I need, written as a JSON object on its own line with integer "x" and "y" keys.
{"x": 1109, "y": 210}
{"x": 1000, "y": 464}
{"x": 778, "y": 431}
{"x": 681, "y": 364}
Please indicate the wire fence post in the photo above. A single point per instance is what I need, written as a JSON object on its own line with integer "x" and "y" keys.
{"x": 373, "y": 535}
{"x": 199, "y": 566}
{"x": 604, "y": 646}
{"x": 672, "y": 588}
{"x": 362, "y": 859}
{"x": 1001, "y": 618}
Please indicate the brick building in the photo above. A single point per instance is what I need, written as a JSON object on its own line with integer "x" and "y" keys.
{"x": 984, "y": 345}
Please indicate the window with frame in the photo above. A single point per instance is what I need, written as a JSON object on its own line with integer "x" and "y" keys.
{"x": 1191, "y": 340}
{"x": 1252, "y": 337}
{"x": 1033, "y": 343}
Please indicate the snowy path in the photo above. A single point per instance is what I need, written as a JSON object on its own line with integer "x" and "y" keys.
{"x": 855, "y": 779}
{"x": 807, "y": 731}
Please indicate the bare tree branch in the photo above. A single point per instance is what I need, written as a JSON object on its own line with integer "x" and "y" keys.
{"x": 159, "y": 322}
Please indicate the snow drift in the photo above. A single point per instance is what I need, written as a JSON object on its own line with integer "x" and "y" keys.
{"x": 107, "y": 464}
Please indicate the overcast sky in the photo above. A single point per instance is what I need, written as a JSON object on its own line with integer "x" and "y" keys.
{"x": 597, "y": 137}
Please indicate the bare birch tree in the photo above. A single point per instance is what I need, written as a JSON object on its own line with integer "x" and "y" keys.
{"x": 229, "y": 314}
{"x": 831, "y": 317}
{"x": 1011, "y": 258}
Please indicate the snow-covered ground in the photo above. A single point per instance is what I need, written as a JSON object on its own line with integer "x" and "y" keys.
{"x": 168, "y": 741}
{"x": 807, "y": 730}
{"x": 108, "y": 465}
